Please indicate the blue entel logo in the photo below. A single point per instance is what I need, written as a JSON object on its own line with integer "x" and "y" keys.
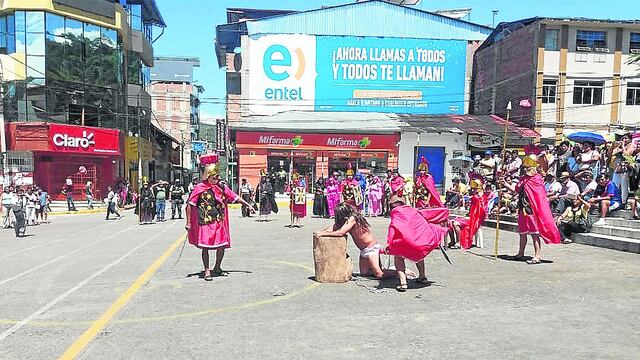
{"x": 276, "y": 64}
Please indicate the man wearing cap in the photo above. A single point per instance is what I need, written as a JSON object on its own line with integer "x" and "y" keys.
{"x": 177, "y": 192}
{"x": 569, "y": 191}
{"x": 488, "y": 165}
{"x": 534, "y": 214}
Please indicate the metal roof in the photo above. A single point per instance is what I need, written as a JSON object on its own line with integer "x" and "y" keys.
{"x": 339, "y": 122}
{"x": 505, "y": 29}
{"x": 151, "y": 13}
{"x": 322, "y": 122}
{"x": 370, "y": 18}
{"x": 490, "y": 125}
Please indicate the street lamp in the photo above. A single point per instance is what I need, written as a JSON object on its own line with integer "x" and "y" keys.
{"x": 3, "y": 138}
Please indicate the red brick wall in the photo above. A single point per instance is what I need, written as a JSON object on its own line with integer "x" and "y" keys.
{"x": 506, "y": 70}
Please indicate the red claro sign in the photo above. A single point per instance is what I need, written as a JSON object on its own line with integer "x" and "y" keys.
{"x": 83, "y": 139}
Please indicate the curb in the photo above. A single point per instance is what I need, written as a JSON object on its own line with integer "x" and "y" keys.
{"x": 84, "y": 212}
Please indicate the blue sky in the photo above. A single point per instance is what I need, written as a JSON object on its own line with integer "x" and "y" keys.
{"x": 191, "y": 26}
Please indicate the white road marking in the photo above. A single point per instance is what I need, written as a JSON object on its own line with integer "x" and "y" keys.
{"x": 66, "y": 255}
{"x": 17, "y": 326}
{"x": 54, "y": 241}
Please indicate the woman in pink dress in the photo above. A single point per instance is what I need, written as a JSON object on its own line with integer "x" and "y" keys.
{"x": 208, "y": 218}
{"x": 375, "y": 196}
{"x": 333, "y": 194}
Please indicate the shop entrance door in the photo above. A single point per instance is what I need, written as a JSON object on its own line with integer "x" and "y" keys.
{"x": 435, "y": 158}
{"x": 306, "y": 168}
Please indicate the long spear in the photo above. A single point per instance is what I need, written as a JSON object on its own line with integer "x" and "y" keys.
{"x": 504, "y": 148}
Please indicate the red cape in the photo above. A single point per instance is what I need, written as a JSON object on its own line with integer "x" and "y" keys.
{"x": 534, "y": 188}
{"x": 477, "y": 215}
{"x": 435, "y": 215}
{"x": 410, "y": 235}
{"x": 428, "y": 182}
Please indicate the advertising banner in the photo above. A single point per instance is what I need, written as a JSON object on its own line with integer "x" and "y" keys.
{"x": 411, "y": 76}
{"x": 283, "y": 73}
{"x": 83, "y": 139}
{"x": 279, "y": 140}
{"x": 347, "y": 73}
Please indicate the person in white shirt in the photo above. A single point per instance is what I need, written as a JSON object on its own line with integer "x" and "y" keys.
{"x": 245, "y": 192}
{"x": 32, "y": 199}
{"x": 7, "y": 199}
{"x": 590, "y": 156}
{"x": 589, "y": 185}
{"x": 112, "y": 200}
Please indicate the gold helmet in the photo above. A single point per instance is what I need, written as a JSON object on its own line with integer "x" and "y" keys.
{"x": 424, "y": 165}
{"x": 349, "y": 170}
{"x": 530, "y": 161}
{"x": 211, "y": 170}
{"x": 476, "y": 184}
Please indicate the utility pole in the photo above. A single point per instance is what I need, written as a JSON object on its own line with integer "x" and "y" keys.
{"x": 139, "y": 144}
{"x": 495, "y": 15}
{"x": 3, "y": 137}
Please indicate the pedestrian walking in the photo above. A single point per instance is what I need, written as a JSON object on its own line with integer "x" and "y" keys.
{"x": 177, "y": 193}
{"x": 44, "y": 199}
{"x": 88, "y": 193}
{"x": 246, "y": 191}
{"x": 19, "y": 210}
{"x": 160, "y": 194}
{"x": 208, "y": 218}
{"x": 67, "y": 191}
{"x": 112, "y": 201}
{"x": 8, "y": 199}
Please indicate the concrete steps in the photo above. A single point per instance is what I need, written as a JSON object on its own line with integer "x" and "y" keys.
{"x": 608, "y": 242}
{"x": 61, "y": 206}
{"x": 620, "y": 232}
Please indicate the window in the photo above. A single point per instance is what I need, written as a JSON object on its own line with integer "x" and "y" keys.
{"x": 588, "y": 92}
{"x": 589, "y": 40}
{"x": 634, "y": 43}
{"x": 233, "y": 83}
{"x": 549, "y": 91}
{"x": 633, "y": 94}
{"x": 551, "y": 39}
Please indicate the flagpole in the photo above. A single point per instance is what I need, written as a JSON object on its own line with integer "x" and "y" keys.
{"x": 504, "y": 148}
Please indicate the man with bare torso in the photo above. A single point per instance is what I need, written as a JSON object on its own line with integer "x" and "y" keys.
{"x": 348, "y": 220}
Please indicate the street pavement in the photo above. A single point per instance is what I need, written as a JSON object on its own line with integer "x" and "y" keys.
{"x": 581, "y": 304}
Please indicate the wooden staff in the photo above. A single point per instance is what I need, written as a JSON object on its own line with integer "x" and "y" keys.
{"x": 504, "y": 148}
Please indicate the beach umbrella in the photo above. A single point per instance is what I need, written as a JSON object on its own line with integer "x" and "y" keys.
{"x": 583, "y": 136}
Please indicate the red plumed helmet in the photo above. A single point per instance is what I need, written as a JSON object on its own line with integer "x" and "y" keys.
{"x": 424, "y": 164}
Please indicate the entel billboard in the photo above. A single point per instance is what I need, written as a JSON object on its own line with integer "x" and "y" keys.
{"x": 343, "y": 73}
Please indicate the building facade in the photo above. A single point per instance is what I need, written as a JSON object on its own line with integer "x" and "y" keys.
{"x": 317, "y": 75}
{"x": 176, "y": 105}
{"x": 561, "y": 75}
{"x": 71, "y": 69}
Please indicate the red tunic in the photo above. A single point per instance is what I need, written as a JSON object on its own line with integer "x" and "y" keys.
{"x": 208, "y": 232}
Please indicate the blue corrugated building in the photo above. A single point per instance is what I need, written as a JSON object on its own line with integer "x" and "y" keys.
{"x": 368, "y": 57}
